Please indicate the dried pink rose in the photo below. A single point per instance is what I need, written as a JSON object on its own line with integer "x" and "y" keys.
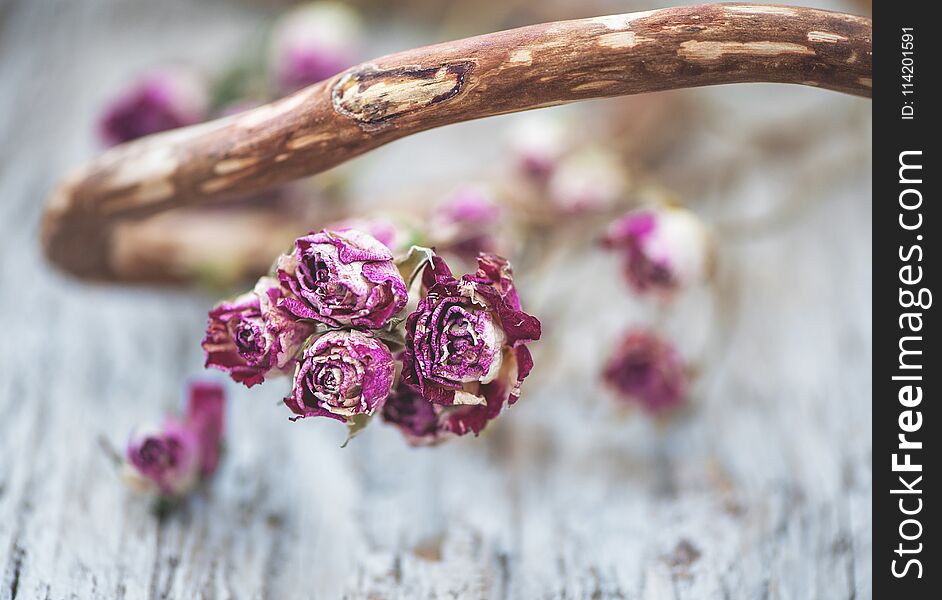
{"x": 341, "y": 278}
{"x": 235, "y": 340}
{"x": 314, "y": 42}
{"x": 663, "y": 249}
{"x": 588, "y": 181}
{"x": 253, "y": 334}
{"x": 173, "y": 460}
{"x": 424, "y": 423}
{"x": 162, "y": 99}
{"x": 417, "y": 418}
{"x": 466, "y": 341}
{"x": 342, "y": 374}
{"x": 466, "y": 224}
{"x": 647, "y": 370}
{"x": 285, "y": 332}
{"x": 165, "y": 462}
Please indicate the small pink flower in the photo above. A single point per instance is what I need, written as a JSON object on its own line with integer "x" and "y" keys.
{"x": 236, "y": 340}
{"x": 173, "y": 460}
{"x": 466, "y": 224}
{"x": 342, "y": 374}
{"x": 537, "y": 143}
{"x": 162, "y": 99}
{"x": 647, "y": 370}
{"x": 663, "y": 249}
{"x": 589, "y": 181}
{"x": 165, "y": 462}
{"x": 313, "y": 42}
{"x": 252, "y": 335}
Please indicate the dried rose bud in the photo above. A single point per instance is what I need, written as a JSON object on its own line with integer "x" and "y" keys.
{"x": 342, "y": 374}
{"x": 285, "y": 332}
{"x": 537, "y": 143}
{"x": 588, "y": 181}
{"x": 663, "y": 249}
{"x": 164, "y": 462}
{"x": 395, "y": 231}
{"x": 236, "y": 340}
{"x": 424, "y": 423}
{"x": 160, "y": 100}
{"x": 466, "y": 223}
{"x": 466, "y": 340}
{"x": 314, "y": 42}
{"x": 647, "y": 370}
{"x": 341, "y": 278}
{"x": 206, "y": 412}
{"x": 252, "y": 335}
{"x": 417, "y": 418}
{"x": 172, "y": 461}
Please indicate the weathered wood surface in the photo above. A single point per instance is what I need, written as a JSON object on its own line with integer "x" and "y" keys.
{"x": 763, "y": 493}
{"x": 388, "y": 98}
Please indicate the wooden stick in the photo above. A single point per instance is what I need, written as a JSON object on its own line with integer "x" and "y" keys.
{"x": 380, "y": 101}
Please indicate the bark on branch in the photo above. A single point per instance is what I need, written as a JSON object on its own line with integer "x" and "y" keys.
{"x": 84, "y": 229}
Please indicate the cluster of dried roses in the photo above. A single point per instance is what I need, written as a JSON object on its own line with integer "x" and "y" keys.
{"x": 336, "y": 314}
{"x": 663, "y": 251}
{"x": 174, "y": 459}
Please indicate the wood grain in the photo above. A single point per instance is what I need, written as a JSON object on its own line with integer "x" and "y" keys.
{"x": 392, "y": 97}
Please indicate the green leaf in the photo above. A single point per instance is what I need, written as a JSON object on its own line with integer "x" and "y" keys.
{"x": 110, "y": 451}
{"x": 412, "y": 264}
{"x": 163, "y": 506}
{"x": 355, "y": 425}
{"x": 394, "y": 337}
{"x": 246, "y": 77}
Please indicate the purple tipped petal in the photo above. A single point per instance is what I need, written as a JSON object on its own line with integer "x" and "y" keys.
{"x": 352, "y": 245}
{"x": 473, "y": 419}
{"x": 437, "y": 272}
{"x": 342, "y": 278}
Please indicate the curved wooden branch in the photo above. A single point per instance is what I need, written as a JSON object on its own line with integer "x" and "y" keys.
{"x": 377, "y": 102}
